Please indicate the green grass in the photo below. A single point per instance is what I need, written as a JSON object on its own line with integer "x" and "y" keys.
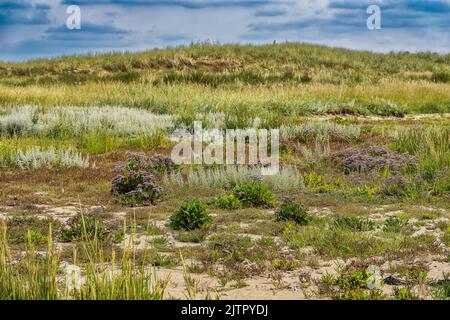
{"x": 37, "y": 277}
{"x": 285, "y": 79}
{"x": 431, "y": 145}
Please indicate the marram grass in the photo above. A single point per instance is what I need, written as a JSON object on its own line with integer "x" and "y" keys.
{"x": 41, "y": 276}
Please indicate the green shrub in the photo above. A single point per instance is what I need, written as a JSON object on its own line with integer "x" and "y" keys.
{"x": 228, "y": 201}
{"x": 229, "y": 242}
{"x": 385, "y": 108}
{"x": 441, "y": 183}
{"x": 292, "y": 212}
{"x": 405, "y": 293}
{"x": 394, "y": 225}
{"x": 440, "y": 76}
{"x": 254, "y": 194}
{"x": 191, "y": 215}
{"x": 36, "y": 238}
{"x": 194, "y": 236}
{"x": 351, "y": 285}
{"x": 440, "y": 290}
{"x": 88, "y": 228}
{"x": 354, "y": 223}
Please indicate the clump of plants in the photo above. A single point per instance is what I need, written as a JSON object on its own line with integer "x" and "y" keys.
{"x": 405, "y": 293}
{"x": 394, "y": 225}
{"x": 441, "y": 183}
{"x": 87, "y": 228}
{"x": 194, "y": 236}
{"x": 370, "y": 159}
{"x": 191, "y": 216}
{"x": 440, "y": 289}
{"x": 162, "y": 164}
{"x": 395, "y": 185}
{"x": 385, "y": 108}
{"x": 36, "y": 238}
{"x": 354, "y": 223}
{"x": 254, "y": 194}
{"x": 351, "y": 284}
{"x": 228, "y": 201}
{"x": 290, "y": 211}
{"x": 136, "y": 182}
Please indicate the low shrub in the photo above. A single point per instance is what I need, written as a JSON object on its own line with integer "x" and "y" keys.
{"x": 394, "y": 225}
{"x": 441, "y": 183}
{"x": 351, "y": 284}
{"x": 228, "y": 201}
{"x": 440, "y": 289}
{"x": 254, "y": 194}
{"x": 194, "y": 236}
{"x": 290, "y": 211}
{"x": 88, "y": 228}
{"x": 385, "y": 108}
{"x": 190, "y": 216}
{"x": 395, "y": 185}
{"x": 354, "y": 223}
{"x": 161, "y": 164}
{"x": 36, "y": 238}
{"x": 136, "y": 184}
{"x": 373, "y": 158}
{"x": 405, "y": 293}
{"x": 440, "y": 76}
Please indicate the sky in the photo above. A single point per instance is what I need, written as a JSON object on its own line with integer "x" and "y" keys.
{"x": 32, "y": 29}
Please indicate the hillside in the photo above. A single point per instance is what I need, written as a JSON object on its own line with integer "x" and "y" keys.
{"x": 286, "y": 79}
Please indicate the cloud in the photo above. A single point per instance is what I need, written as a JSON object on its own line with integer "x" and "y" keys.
{"x": 270, "y": 12}
{"x": 175, "y": 38}
{"x": 413, "y": 14}
{"x": 34, "y": 28}
{"x": 60, "y": 40}
{"x": 187, "y": 4}
{"x": 23, "y": 12}
{"x": 89, "y": 32}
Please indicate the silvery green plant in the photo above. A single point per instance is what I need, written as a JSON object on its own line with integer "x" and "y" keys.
{"x": 74, "y": 121}
{"x": 287, "y": 179}
{"x": 37, "y": 157}
{"x": 324, "y": 130}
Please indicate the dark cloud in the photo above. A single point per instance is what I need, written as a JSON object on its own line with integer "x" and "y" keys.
{"x": 270, "y": 12}
{"x": 23, "y": 12}
{"x": 351, "y": 16}
{"x": 60, "y": 40}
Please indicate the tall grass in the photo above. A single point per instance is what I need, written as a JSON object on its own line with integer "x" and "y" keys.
{"x": 39, "y": 276}
{"x": 431, "y": 146}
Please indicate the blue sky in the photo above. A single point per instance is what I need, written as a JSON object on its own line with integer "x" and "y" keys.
{"x": 36, "y": 28}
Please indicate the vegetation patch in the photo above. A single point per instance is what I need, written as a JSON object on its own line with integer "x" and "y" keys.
{"x": 190, "y": 216}
{"x": 290, "y": 211}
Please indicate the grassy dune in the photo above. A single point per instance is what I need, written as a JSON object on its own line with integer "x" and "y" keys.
{"x": 286, "y": 79}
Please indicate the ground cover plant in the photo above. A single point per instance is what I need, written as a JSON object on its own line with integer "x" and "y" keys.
{"x": 92, "y": 205}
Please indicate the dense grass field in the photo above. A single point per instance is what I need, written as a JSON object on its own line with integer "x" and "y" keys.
{"x": 92, "y": 207}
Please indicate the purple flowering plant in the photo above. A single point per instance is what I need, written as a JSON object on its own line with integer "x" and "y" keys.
{"x": 136, "y": 182}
